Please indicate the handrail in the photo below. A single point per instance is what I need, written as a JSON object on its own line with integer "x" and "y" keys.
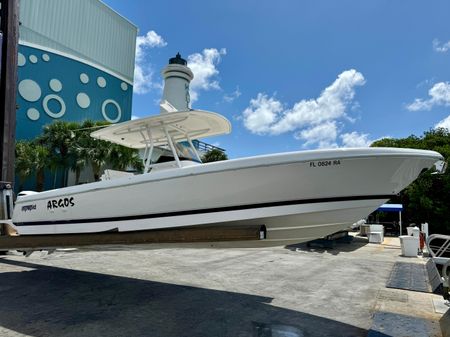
{"x": 438, "y": 250}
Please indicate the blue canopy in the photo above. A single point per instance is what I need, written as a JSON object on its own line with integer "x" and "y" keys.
{"x": 390, "y": 208}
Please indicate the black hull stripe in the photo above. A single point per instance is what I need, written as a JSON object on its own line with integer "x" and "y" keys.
{"x": 207, "y": 210}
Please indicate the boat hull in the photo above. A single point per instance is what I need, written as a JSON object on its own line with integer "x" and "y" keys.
{"x": 297, "y": 196}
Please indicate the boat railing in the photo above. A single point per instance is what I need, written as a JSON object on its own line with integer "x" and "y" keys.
{"x": 438, "y": 246}
{"x": 205, "y": 147}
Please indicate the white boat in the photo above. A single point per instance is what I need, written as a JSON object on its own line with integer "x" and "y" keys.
{"x": 291, "y": 197}
{"x": 297, "y": 196}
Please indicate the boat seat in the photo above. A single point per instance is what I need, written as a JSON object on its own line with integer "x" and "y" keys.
{"x": 172, "y": 165}
{"x": 114, "y": 174}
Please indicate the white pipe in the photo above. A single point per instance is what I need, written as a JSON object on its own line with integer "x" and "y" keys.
{"x": 193, "y": 148}
{"x": 172, "y": 147}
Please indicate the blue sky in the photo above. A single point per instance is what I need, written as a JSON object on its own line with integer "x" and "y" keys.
{"x": 295, "y": 75}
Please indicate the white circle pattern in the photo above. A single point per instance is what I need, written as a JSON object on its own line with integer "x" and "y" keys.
{"x": 33, "y": 114}
{"x": 83, "y": 100}
{"x": 21, "y": 60}
{"x": 119, "y": 111}
{"x": 33, "y": 59}
{"x": 45, "y": 57}
{"x": 52, "y": 114}
{"x": 101, "y": 82}
{"x": 84, "y": 78}
{"x": 29, "y": 90}
{"x": 55, "y": 85}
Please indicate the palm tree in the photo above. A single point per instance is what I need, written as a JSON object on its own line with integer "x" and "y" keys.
{"x": 68, "y": 145}
{"x": 80, "y": 149}
{"x": 24, "y": 163}
{"x": 31, "y": 158}
{"x": 214, "y": 155}
{"x": 89, "y": 151}
{"x": 58, "y": 138}
{"x": 99, "y": 154}
{"x": 121, "y": 158}
{"x": 41, "y": 162}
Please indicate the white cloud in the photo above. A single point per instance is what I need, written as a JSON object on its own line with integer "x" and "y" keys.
{"x": 151, "y": 40}
{"x": 143, "y": 72}
{"x": 314, "y": 120}
{"x": 262, "y": 113}
{"x": 231, "y": 97}
{"x": 441, "y": 47}
{"x": 355, "y": 139}
{"x": 203, "y": 65}
{"x": 445, "y": 123}
{"x": 439, "y": 95}
{"x": 324, "y": 135}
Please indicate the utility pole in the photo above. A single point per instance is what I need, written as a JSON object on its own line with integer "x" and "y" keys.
{"x": 9, "y": 37}
{"x": 9, "y": 29}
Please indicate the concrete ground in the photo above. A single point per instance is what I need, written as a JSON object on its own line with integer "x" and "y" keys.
{"x": 282, "y": 291}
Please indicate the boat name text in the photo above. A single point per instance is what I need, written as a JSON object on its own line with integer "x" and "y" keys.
{"x": 60, "y": 203}
{"x": 27, "y": 208}
{"x": 324, "y": 163}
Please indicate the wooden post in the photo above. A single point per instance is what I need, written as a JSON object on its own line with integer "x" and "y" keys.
{"x": 9, "y": 28}
{"x": 9, "y": 36}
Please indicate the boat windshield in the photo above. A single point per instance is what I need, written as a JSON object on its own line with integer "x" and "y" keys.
{"x": 185, "y": 152}
{"x": 164, "y": 154}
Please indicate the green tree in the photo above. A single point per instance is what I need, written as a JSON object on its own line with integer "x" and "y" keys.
{"x": 98, "y": 154}
{"x": 58, "y": 137}
{"x": 24, "y": 162}
{"x": 428, "y": 198}
{"x": 32, "y": 158}
{"x": 121, "y": 158}
{"x": 41, "y": 161}
{"x": 65, "y": 146}
{"x": 84, "y": 150}
{"x": 214, "y": 155}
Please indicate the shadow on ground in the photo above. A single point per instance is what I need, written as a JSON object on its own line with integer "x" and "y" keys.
{"x": 337, "y": 248}
{"x": 47, "y": 301}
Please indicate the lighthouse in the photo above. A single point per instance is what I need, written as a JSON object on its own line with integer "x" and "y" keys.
{"x": 177, "y": 77}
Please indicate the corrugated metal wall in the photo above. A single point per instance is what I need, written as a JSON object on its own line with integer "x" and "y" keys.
{"x": 87, "y": 29}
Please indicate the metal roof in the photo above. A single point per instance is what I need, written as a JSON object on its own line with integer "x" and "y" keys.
{"x": 86, "y": 30}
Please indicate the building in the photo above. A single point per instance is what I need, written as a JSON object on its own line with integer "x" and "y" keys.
{"x": 75, "y": 62}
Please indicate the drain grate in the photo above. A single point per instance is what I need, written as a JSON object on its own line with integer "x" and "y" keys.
{"x": 387, "y": 295}
{"x": 409, "y": 276}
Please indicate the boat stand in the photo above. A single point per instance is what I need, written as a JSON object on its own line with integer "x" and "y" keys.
{"x": 195, "y": 234}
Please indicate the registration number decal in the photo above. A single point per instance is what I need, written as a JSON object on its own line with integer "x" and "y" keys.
{"x": 325, "y": 163}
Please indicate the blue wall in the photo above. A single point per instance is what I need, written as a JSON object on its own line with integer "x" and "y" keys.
{"x": 53, "y": 87}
